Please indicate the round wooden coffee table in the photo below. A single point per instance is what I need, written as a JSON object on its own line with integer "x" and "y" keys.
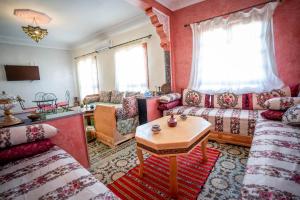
{"x": 171, "y": 142}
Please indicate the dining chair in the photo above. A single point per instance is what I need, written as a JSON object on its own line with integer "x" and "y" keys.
{"x": 49, "y": 104}
{"x": 65, "y": 104}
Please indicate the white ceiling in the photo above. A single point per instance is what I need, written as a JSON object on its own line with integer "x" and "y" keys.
{"x": 178, "y": 4}
{"x": 73, "y": 21}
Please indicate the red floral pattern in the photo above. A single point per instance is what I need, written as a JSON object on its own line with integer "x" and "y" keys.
{"x": 234, "y": 121}
{"x": 24, "y": 134}
{"x": 282, "y": 103}
{"x": 227, "y": 100}
{"x": 34, "y": 133}
{"x": 257, "y": 101}
{"x": 53, "y": 174}
{"x": 273, "y": 166}
{"x": 195, "y": 98}
{"x": 5, "y": 138}
{"x": 130, "y": 106}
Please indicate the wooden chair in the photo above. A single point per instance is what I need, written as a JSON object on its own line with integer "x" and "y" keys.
{"x": 106, "y": 126}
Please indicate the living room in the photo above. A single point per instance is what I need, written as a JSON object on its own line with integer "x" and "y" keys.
{"x": 161, "y": 99}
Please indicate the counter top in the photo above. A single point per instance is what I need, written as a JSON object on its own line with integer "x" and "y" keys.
{"x": 54, "y": 116}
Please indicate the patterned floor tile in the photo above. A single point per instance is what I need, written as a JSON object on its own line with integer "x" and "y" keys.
{"x": 224, "y": 182}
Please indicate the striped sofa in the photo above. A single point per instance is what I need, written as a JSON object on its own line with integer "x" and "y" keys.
{"x": 233, "y": 117}
{"x": 273, "y": 168}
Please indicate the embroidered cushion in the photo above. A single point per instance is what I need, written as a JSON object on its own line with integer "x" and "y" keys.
{"x": 120, "y": 113}
{"x": 257, "y": 100}
{"x": 195, "y": 98}
{"x": 91, "y": 98}
{"x": 104, "y": 96}
{"x": 292, "y": 116}
{"x": 116, "y": 97}
{"x": 229, "y": 100}
{"x": 281, "y": 103}
{"x": 167, "y": 106}
{"x": 130, "y": 106}
{"x": 24, "y": 150}
{"x": 169, "y": 97}
{"x": 25, "y": 134}
{"x": 275, "y": 115}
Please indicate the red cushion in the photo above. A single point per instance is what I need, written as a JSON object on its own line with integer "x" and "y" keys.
{"x": 170, "y": 105}
{"x": 294, "y": 89}
{"x": 273, "y": 115}
{"x": 24, "y": 150}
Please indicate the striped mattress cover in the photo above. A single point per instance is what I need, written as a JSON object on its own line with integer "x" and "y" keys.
{"x": 50, "y": 175}
{"x": 235, "y": 121}
{"x": 273, "y": 168}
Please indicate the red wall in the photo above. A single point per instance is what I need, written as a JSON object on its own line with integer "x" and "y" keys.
{"x": 286, "y": 36}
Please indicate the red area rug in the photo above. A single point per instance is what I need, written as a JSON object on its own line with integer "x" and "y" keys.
{"x": 192, "y": 175}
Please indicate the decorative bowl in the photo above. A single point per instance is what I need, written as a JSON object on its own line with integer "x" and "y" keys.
{"x": 156, "y": 128}
{"x": 33, "y": 117}
{"x": 183, "y": 116}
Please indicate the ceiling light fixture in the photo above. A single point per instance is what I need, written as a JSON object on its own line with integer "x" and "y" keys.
{"x": 34, "y": 32}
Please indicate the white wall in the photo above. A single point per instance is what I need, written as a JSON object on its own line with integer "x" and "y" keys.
{"x": 55, "y": 68}
{"x": 106, "y": 58}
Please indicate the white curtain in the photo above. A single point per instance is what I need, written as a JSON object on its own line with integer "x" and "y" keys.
{"x": 235, "y": 53}
{"x": 87, "y": 75}
{"x": 131, "y": 68}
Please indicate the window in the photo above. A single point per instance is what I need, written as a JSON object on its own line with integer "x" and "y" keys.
{"x": 131, "y": 68}
{"x": 87, "y": 76}
{"x": 235, "y": 54}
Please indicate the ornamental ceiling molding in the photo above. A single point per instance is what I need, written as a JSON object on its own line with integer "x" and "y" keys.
{"x": 161, "y": 22}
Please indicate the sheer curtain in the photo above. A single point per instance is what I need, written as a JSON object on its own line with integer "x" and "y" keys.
{"x": 235, "y": 54}
{"x": 87, "y": 76}
{"x": 131, "y": 68}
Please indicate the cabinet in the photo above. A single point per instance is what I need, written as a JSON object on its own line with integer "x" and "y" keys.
{"x": 148, "y": 109}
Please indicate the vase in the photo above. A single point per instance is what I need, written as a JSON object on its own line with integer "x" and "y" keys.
{"x": 172, "y": 122}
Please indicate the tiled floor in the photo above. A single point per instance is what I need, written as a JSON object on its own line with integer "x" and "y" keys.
{"x": 224, "y": 181}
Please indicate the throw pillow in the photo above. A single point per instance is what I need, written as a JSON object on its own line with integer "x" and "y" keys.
{"x": 168, "y": 106}
{"x": 229, "y": 100}
{"x": 25, "y": 134}
{"x": 257, "y": 100}
{"x": 130, "y": 106}
{"x": 195, "y": 98}
{"x": 120, "y": 113}
{"x": 91, "y": 99}
{"x": 295, "y": 90}
{"x": 169, "y": 97}
{"x": 104, "y": 96}
{"x": 281, "y": 103}
{"x": 292, "y": 116}
{"x": 116, "y": 97}
{"x": 24, "y": 150}
{"x": 272, "y": 115}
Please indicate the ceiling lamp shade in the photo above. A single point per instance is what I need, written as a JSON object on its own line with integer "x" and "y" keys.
{"x": 34, "y": 32}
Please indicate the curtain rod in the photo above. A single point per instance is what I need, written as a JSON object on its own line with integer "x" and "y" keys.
{"x": 259, "y": 4}
{"x": 147, "y": 36}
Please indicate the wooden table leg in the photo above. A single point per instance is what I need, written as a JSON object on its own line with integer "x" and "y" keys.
{"x": 203, "y": 149}
{"x": 141, "y": 159}
{"x": 173, "y": 176}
